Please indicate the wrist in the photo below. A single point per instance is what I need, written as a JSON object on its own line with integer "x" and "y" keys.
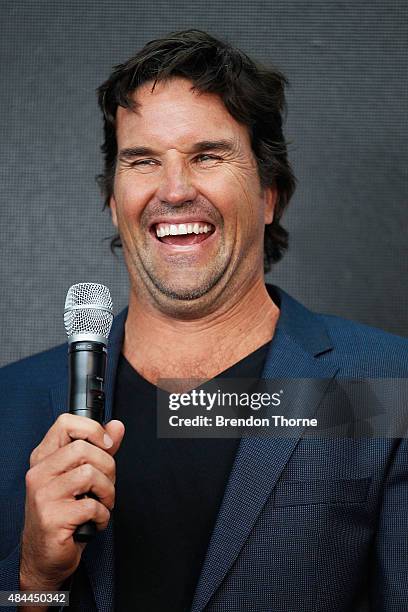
{"x": 30, "y": 582}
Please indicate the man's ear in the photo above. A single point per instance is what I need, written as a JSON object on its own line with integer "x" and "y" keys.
{"x": 270, "y": 200}
{"x": 112, "y": 206}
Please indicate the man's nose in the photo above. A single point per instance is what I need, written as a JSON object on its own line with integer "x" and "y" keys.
{"x": 176, "y": 184}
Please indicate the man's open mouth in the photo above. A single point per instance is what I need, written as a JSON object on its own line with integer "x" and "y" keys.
{"x": 182, "y": 234}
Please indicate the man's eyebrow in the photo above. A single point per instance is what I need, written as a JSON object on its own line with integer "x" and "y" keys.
{"x": 198, "y": 147}
{"x": 213, "y": 145}
{"x": 131, "y": 152}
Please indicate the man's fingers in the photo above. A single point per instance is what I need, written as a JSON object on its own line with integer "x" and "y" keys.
{"x": 66, "y": 428}
{"x": 69, "y": 515}
{"x": 115, "y": 430}
{"x": 69, "y": 457}
{"x": 89, "y": 509}
{"x": 83, "y": 479}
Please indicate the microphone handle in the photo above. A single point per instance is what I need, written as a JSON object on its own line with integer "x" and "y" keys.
{"x": 86, "y": 397}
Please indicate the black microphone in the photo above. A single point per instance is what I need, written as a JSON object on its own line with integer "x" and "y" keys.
{"x": 88, "y": 319}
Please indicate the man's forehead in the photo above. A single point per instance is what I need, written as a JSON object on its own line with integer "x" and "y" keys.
{"x": 175, "y": 96}
{"x": 172, "y": 87}
{"x": 174, "y": 105}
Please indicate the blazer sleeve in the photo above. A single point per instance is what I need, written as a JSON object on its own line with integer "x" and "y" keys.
{"x": 10, "y": 575}
{"x": 10, "y": 578}
{"x": 389, "y": 590}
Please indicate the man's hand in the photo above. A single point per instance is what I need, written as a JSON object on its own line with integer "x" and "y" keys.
{"x": 75, "y": 457}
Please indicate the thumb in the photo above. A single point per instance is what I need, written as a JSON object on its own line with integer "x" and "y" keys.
{"x": 115, "y": 430}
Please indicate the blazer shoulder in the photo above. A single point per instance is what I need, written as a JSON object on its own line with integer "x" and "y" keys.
{"x": 373, "y": 351}
{"x": 39, "y": 370}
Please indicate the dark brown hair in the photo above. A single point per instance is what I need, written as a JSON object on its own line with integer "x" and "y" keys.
{"x": 252, "y": 94}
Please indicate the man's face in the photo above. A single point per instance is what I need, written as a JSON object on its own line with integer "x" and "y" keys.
{"x": 187, "y": 197}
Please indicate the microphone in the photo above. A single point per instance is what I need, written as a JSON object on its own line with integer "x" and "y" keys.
{"x": 88, "y": 319}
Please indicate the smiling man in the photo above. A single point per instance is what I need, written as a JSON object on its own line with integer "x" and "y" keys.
{"x": 196, "y": 178}
{"x": 191, "y": 213}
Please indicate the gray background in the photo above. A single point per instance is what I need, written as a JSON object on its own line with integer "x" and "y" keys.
{"x": 346, "y": 62}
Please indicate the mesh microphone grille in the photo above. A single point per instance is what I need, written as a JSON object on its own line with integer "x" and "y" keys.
{"x": 88, "y": 310}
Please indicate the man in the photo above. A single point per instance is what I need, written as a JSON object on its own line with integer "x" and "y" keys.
{"x": 197, "y": 178}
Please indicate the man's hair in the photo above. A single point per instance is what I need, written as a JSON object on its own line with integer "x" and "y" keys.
{"x": 252, "y": 94}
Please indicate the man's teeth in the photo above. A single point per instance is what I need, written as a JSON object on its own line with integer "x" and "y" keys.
{"x": 165, "y": 229}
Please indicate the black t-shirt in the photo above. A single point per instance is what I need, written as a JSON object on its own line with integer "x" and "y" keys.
{"x": 168, "y": 493}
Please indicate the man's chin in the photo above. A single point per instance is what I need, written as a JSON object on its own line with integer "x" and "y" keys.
{"x": 187, "y": 290}
{"x": 180, "y": 294}
{"x": 183, "y": 293}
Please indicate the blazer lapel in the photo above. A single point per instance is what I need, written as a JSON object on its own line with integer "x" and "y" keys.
{"x": 260, "y": 461}
{"x": 98, "y": 555}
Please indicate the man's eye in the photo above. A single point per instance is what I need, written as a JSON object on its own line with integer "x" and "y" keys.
{"x": 207, "y": 157}
{"x": 144, "y": 162}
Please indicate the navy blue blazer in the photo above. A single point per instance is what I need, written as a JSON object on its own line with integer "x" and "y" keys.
{"x": 305, "y": 524}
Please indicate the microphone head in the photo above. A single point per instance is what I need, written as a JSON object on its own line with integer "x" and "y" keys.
{"x": 88, "y": 313}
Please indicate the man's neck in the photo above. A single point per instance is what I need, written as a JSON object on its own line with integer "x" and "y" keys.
{"x": 162, "y": 347}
